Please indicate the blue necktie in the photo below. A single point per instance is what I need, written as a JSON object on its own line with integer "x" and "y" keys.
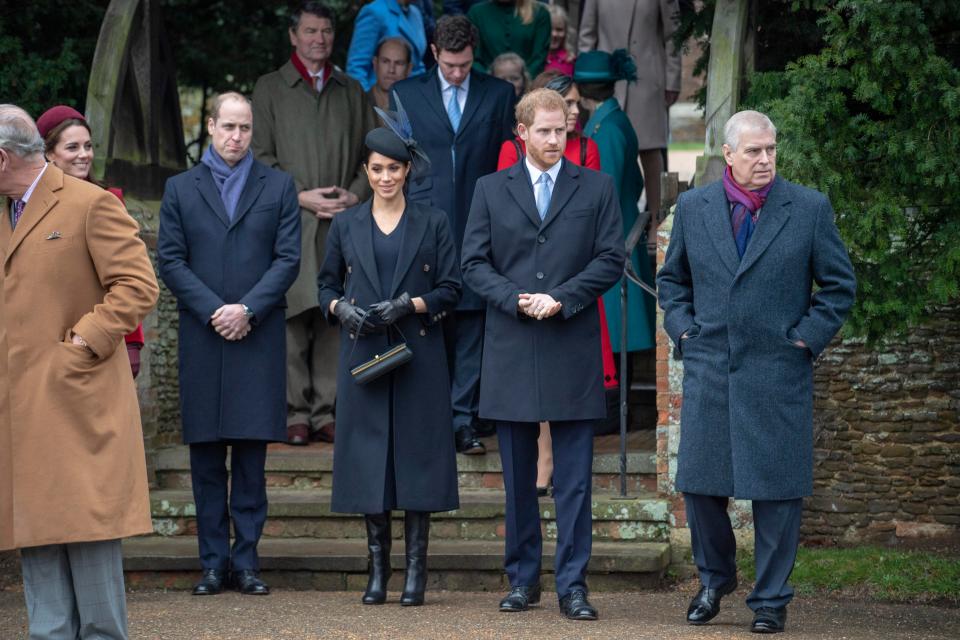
{"x": 543, "y": 194}
{"x": 18, "y": 207}
{"x": 453, "y": 109}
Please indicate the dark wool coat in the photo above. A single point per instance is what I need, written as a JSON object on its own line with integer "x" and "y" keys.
{"x": 747, "y": 419}
{"x": 231, "y": 389}
{"x": 458, "y": 159}
{"x": 424, "y": 454}
{"x": 548, "y": 369}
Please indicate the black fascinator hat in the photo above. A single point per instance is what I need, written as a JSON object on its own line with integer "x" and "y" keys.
{"x": 396, "y": 139}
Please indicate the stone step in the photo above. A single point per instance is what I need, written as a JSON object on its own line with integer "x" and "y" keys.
{"x": 306, "y": 514}
{"x": 312, "y": 467}
{"x": 337, "y": 564}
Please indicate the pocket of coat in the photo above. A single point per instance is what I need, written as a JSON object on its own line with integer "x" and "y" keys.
{"x": 51, "y": 243}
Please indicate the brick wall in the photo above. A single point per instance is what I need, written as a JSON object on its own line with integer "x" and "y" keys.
{"x": 887, "y": 437}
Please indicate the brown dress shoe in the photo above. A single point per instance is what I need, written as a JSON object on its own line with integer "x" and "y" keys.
{"x": 325, "y": 433}
{"x": 298, "y": 435}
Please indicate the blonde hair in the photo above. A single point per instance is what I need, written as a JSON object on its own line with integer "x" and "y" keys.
{"x": 526, "y": 10}
{"x": 539, "y": 100}
{"x": 556, "y": 11}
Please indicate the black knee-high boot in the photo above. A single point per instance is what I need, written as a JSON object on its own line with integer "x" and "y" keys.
{"x": 378, "y": 543}
{"x": 416, "y": 531}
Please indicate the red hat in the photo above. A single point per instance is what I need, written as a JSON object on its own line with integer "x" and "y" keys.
{"x": 53, "y": 116}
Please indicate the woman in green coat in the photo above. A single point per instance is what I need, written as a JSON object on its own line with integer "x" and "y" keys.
{"x": 596, "y": 73}
{"x": 520, "y": 26}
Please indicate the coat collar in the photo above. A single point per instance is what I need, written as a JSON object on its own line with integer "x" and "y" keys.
{"x": 42, "y": 200}
{"x": 291, "y": 76}
{"x": 773, "y": 216}
{"x": 518, "y": 184}
{"x": 251, "y": 191}
{"x": 607, "y": 107}
{"x": 361, "y": 236}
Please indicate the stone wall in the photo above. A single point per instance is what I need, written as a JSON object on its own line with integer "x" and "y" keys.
{"x": 887, "y": 437}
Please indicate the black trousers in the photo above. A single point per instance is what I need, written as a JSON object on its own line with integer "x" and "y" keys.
{"x": 248, "y": 502}
{"x": 776, "y": 527}
{"x": 572, "y": 490}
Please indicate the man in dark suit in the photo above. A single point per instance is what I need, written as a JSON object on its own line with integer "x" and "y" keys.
{"x": 540, "y": 255}
{"x": 737, "y": 293}
{"x": 229, "y": 248}
{"x": 460, "y": 117}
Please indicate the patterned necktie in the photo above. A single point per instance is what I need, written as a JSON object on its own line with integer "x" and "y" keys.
{"x": 453, "y": 108}
{"x": 18, "y": 207}
{"x": 543, "y": 194}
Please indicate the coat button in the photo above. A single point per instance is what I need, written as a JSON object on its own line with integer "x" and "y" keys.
{"x": 541, "y": 239}
{"x": 423, "y": 332}
{"x": 349, "y": 269}
{"x": 353, "y": 337}
{"x": 426, "y": 267}
{"x": 539, "y": 275}
{"x": 353, "y": 301}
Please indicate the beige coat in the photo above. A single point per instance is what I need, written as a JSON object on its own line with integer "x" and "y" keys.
{"x": 645, "y": 28}
{"x": 72, "y": 464}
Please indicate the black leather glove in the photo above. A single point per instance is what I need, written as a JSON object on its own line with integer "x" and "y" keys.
{"x": 351, "y": 317}
{"x": 392, "y": 310}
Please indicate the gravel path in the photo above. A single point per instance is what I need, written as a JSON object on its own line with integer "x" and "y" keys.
{"x": 311, "y": 615}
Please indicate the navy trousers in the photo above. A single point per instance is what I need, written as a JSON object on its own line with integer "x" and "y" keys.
{"x": 572, "y": 483}
{"x": 248, "y": 502}
{"x": 776, "y": 527}
{"x": 463, "y": 334}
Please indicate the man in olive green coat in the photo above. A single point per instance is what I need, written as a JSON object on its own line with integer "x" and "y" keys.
{"x": 310, "y": 121}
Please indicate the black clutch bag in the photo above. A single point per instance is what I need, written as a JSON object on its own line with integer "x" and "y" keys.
{"x": 382, "y": 363}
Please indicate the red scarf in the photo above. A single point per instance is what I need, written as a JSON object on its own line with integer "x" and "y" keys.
{"x": 302, "y": 69}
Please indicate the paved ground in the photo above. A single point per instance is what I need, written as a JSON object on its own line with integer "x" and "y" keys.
{"x": 310, "y": 615}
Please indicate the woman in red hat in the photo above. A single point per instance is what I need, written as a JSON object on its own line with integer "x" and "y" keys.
{"x": 66, "y": 136}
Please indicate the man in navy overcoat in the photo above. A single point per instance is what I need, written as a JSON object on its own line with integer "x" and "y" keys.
{"x": 460, "y": 117}
{"x": 738, "y": 299}
{"x": 542, "y": 243}
{"x": 228, "y": 249}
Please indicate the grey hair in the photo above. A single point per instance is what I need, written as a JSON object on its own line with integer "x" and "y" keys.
{"x": 18, "y": 132}
{"x": 220, "y": 98}
{"x": 742, "y": 120}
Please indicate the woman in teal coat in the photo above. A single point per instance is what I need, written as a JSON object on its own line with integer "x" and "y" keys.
{"x": 595, "y": 73}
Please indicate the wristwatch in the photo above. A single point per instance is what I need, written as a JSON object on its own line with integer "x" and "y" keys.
{"x": 246, "y": 311}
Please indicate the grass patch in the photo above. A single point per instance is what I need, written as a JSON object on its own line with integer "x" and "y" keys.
{"x": 686, "y": 146}
{"x": 872, "y": 572}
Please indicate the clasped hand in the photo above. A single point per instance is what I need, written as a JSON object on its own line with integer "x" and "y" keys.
{"x": 326, "y": 202}
{"x": 231, "y": 322}
{"x": 539, "y": 305}
{"x": 392, "y": 310}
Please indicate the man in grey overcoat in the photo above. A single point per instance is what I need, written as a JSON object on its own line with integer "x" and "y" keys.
{"x": 311, "y": 120}
{"x": 737, "y": 293}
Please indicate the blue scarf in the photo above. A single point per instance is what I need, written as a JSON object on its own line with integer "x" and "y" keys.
{"x": 229, "y": 180}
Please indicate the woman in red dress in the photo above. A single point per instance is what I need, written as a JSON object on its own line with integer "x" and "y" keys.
{"x": 583, "y": 152}
{"x": 66, "y": 137}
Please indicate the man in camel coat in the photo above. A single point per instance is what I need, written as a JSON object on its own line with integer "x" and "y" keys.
{"x": 73, "y": 481}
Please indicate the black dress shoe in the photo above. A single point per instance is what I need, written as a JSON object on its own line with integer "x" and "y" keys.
{"x": 467, "y": 442}
{"x": 210, "y": 584}
{"x": 769, "y": 620}
{"x": 706, "y": 604}
{"x": 520, "y": 599}
{"x": 575, "y": 606}
{"x": 249, "y": 583}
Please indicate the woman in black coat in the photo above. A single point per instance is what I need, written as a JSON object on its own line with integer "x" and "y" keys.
{"x": 390, "y": 274}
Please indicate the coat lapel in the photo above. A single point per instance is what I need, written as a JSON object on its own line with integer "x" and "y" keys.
{"x": 773, "y": 216}
{"x": 567, "y": 184}
{"x": 412, "y": 237}
{"x": 361, "y": 235}
{"x": 251, "y": 191}
{"x": 431, "y": 86}
{"x": 474, "y": 98}
{"x": 717, "y": 220}
{"x": 522, "y": 191}
{"x": 208, "y": 191}
{"x": 42, "y": 200}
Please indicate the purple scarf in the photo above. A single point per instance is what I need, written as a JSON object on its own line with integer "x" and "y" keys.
{"x": 743, "y": 202}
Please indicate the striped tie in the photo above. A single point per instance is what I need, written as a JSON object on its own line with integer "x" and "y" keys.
{"x": 18, "y": 207}
{"x": 453, "y": 108}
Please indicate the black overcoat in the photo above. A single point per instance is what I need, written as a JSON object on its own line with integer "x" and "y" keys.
{"x": 746, "y": 427}
{"x": 424, "y": 453}
{"x": 548, "y": 369}
{"x": 231, "y": 389}
{"x": 457, "y": 159}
